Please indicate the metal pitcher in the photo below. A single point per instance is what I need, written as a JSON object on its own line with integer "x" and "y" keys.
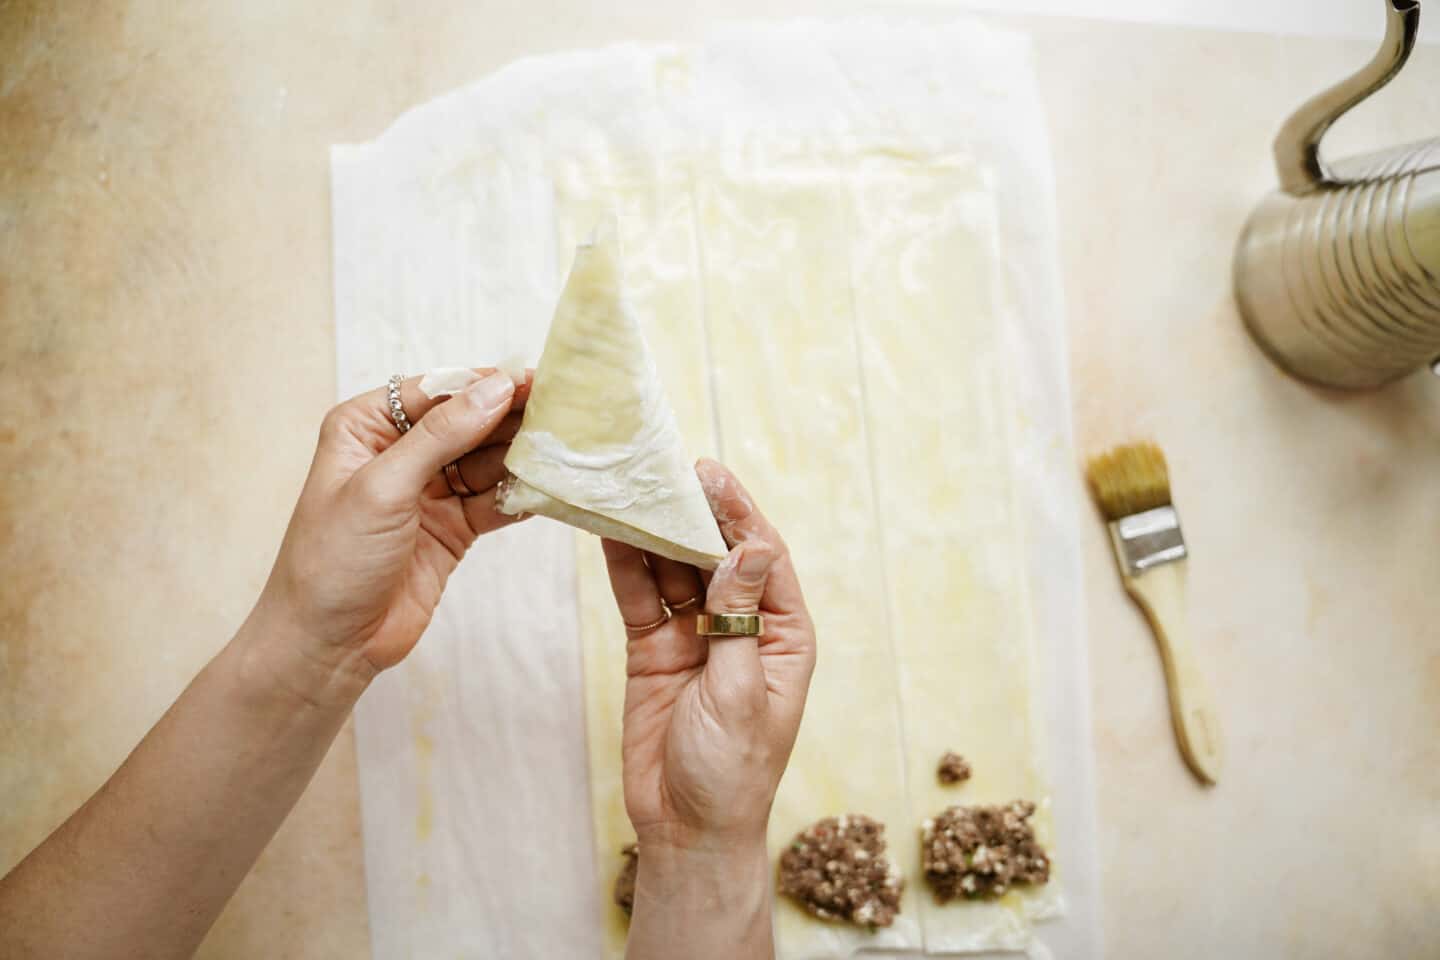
{"x": 1338, "y": 272}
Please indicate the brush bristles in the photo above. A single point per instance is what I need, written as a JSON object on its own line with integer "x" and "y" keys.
{"x": 1129, "y": 480}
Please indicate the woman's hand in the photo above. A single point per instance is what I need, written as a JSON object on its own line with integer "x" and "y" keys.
{"x": 376, "y": 531}
{"x": 709, "y": 725}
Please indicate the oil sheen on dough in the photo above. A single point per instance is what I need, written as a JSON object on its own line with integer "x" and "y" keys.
{"x": 796, "y": 329}
{"x": 598, "y": 447}
{"x": 851, "y": 730}
{"x": 662, "y": 283}
{"x": 453, "y": 235}
{"x": 925, "y": 273}
{"x": 777, "y": 300}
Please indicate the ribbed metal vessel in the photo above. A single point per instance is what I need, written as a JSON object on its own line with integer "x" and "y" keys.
{"x": 1341, "y": 286}
{"x": 1338, "y": 272}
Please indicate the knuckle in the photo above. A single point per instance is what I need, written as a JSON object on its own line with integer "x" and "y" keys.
{"x": 759, "y": 549}
{"x": 749, "y": 599}
{"x": 778, "y": 544}
{"x": 333, "y": 422}
{"x": 733, "y": 597}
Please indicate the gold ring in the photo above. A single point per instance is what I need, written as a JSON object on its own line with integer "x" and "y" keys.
{"x": 456, "y": 482}
{"x": 730, "y": 625}
{"x": 647, "y": 627}
{"x": 684, "y": 604}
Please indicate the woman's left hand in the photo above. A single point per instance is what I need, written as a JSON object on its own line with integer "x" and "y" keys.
{"x": 710, "y": 721}
{"x": 709, "y": 725}
{"x": 377, "y": 532}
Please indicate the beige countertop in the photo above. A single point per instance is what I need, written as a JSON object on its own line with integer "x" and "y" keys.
{"x": 167, "y": 345}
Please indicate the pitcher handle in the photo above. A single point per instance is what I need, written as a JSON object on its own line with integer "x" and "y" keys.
{"x": 1297, "y": 146}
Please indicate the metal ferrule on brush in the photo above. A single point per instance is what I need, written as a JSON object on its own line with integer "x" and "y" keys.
{"x": 1145, "y": 540}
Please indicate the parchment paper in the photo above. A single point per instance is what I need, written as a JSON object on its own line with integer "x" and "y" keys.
{"x": 472, "y": 753}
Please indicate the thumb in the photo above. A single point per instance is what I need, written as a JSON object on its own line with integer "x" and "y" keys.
{"x": 733, "y": 670}
{"x": 738, "y": 584}
{"x": 447, "y": 432}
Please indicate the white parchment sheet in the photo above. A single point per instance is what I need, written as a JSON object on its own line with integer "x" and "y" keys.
{"x": 452, "y": 233}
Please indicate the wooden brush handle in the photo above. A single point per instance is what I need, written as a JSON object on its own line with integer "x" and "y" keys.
{"x": 1160, "y": 592}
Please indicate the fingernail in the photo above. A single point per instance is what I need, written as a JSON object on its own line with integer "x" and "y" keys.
{"x": 754, "y": 563}
{"x": 491, "y": 391}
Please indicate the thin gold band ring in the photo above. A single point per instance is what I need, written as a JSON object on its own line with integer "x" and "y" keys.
{"x": 456, "y": 482}
{"x": 647, "y": 627}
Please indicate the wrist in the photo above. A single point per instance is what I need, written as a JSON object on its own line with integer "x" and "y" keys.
{"x": 715, "y": 874}
{"x": 278, "y": 660}
{"x": 744, "y": 833}
{"x": 713, "y": 898}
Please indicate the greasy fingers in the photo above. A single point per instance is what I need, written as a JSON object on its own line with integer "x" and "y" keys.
{"x": 484, "y": 468}
{"x": 445, "y": 433}
{"x": 739, "y": 582}
{"x": 417, "y": 403}
{"x": 742, "y": 522}
{"x": 480, "y": 470}
{"x": 509, "y": 426}
{"x": 632, "y": 583}
{"x": 733, "y": 673}
{"x": 734, "y": 510}
{"x": 678, "y": 582}
{"x": 481, "y": 515}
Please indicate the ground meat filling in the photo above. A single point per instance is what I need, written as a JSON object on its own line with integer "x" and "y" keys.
{"x": 625, "y": 883}
{"x": 979, "y": 851}
{"x": 953, "y": 769}
{"x": 837, "y": 870}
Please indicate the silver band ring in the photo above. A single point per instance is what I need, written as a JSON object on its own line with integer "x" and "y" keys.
{"x": 397, "y": 412}
{"x": 647, "y": 627}
{"x": 456, "y": 481}
{"x": 730, "y": 625}
{"x": 684, "y": 604}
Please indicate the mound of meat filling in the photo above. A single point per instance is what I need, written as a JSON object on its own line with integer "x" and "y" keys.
{"x": 625, "y": 882}
{"x": 982, "y": 851}
{"x": 837, "y": 870}
{"x": 953, "y": 769}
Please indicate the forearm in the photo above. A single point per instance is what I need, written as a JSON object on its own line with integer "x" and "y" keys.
{"x": 704, "y": 904}
{"x": 147, "y": 864}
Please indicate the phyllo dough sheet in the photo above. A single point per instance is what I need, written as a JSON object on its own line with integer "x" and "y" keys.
{"x": 837, "y": 242}
{"x": 938, "y": 382}
{"x": 662, "y": 280}
{"x": 792, "y": 426}
{"x": 844, "y": 327}
{"x": 794, "y": 430}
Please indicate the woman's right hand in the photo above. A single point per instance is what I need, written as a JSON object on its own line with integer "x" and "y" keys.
{"x": 377, "y": 531}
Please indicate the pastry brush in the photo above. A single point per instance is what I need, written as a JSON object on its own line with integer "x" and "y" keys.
{"x": 1132, "y": 486}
